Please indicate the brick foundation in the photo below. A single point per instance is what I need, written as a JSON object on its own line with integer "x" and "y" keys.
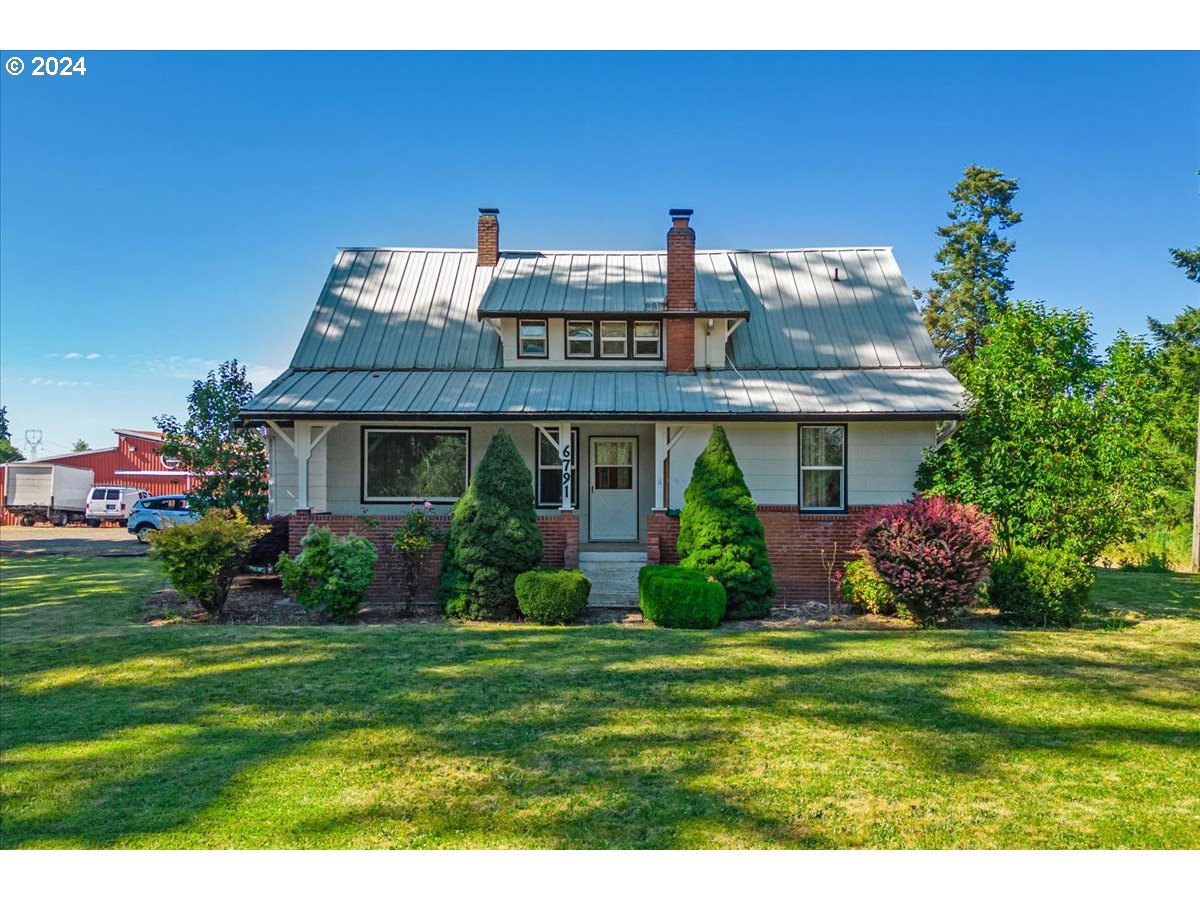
{"x": 560, "y": 534}
{"x": 794, "y": 543}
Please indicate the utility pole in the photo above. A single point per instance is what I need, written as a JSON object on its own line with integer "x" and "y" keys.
{"x": 1196, "y": 501}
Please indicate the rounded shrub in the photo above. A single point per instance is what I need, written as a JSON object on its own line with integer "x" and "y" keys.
{"x": 679, "y": 597}
{"x": 330, "y": 574}
{"x": 720, "y": 532}
{"x": 201, "y": 558}
{"x": 932, "y": 552}
{"x": 494, "y": 536}
{"x": 1040, "y": 586}
{"x": 552, "y": 596}
{"x": 863, "y": 589}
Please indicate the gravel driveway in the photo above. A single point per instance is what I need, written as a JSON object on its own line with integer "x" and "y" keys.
{"x": 36, "y": 541}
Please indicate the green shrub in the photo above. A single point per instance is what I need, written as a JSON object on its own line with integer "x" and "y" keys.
{"x": 552, "y": 596}
{"x": 720, "y": 532}
{"x": 201, "y": 558}
{"x": 678, "y": 597}
{"x": 330, "y": 574}
{"x": 414, "y": 542}
{"x": 1039, "y": 586}
{"x": 494, "y": 536}
{"x": 863, "y": 589}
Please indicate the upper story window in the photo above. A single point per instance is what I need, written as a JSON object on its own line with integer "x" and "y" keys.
{"x": 647, "y": 340}
{"x": 532, "y": 338}
{"x": 822, "y": 468}
{"x": 581, "y": 338}
{"x": 614, "y": 340}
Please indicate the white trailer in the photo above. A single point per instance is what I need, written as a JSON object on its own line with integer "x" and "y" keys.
{"x": 44, "y": 492}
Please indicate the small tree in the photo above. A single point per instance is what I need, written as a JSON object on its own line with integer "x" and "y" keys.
{"x": 330, "y": 574}
{"x": 414, "y": 541}
{"x": 201, "y": 558}
{"x": 228, "y": 458}
{"x": 494, "y": 535}
{"x": 720, "y": 532}
{"x": 80, "y": 446}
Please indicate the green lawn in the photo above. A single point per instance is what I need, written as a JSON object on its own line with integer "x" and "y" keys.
{"x": 115, "y": 734}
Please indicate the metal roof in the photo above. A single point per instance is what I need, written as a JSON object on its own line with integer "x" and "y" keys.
{"x": 595, "y": 283}
{"x": 596, "y": 393}
{"x": 400, "y": 309}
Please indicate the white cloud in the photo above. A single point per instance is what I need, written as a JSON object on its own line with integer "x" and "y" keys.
{"x": 93, "y": 356}
{"x": 73, "y": 355}
{"x": 51, "y": 355}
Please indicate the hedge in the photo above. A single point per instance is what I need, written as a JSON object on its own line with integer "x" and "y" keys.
{"x": 678, "y": 597}
{"x": 1040, "y": 586}
{"x": 552, "y": 596}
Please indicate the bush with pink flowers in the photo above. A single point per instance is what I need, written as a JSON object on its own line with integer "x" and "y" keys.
{"x": 932, "y": 552}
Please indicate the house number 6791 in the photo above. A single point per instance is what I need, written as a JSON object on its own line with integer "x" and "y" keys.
{"x": 57, "y": 65}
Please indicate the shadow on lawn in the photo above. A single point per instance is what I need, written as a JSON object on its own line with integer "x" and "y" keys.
{"x": 601, "y": 736}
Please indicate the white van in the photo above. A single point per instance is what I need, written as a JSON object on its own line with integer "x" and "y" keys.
{"x": 111, "y": 503}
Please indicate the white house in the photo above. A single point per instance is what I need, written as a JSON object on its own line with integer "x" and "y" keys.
{"x": 609, "y": 369}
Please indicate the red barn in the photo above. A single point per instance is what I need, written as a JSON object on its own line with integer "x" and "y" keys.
{"x": 136, "y": 461}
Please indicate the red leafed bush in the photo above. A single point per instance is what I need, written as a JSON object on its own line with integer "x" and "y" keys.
{"x": 932, "y": 552}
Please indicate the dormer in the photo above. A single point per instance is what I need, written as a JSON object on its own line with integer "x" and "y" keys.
{"x": 612, "y": 309}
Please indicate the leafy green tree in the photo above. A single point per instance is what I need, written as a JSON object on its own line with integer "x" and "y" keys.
{"x": 228, "y": 459}
{"x": 972, "y": 284}
{"x": 1189, "y": 261}
{"x": 8, "y": 453}
{"x": 720, "y": 532}
{"x": 80, "y": 446}
{"x": 1177, "y": 367}
{"x": 1056, "y": 445}
{"x": 494, "y": 536}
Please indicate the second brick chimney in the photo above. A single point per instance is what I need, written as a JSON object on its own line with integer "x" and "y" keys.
{"x": 681, "y": 292}
{"x": 489, "y": 236}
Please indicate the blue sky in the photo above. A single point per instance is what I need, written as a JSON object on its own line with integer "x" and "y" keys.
{"x": 167, "y": 211}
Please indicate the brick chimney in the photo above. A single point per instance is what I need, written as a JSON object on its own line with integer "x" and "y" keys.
{"x": 681, "y": 292}
{"x": 489, "y": 236}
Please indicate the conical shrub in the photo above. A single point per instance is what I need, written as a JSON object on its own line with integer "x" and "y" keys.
{"x": 494, "y": 536}
{"x": 720, "y": 532}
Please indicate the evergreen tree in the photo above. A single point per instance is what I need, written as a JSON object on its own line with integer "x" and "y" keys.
{"x": 494, "y": 536}
{"x": 229, "y": 459}
{"x": 8, "y": 453}
{"x": 1187, "y": 260}
{"x": 80, "y": 446}
{"x": 1177, "y": 367}
{"x": 972, "y": 284}
{"x": 720, "y": 532}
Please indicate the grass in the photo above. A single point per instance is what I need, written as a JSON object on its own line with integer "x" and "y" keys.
{"x": 115, "y": 734}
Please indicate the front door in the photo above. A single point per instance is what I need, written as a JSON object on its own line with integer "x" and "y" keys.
{"x": 613, "y": 506}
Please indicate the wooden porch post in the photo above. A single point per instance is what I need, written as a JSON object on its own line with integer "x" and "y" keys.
{"x": 568, "y": 464}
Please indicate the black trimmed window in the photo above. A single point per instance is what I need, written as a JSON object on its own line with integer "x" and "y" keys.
{"x": 822, "y": 468}
{"x": 614, "y": 339}
{"x": 549, "y": 469}
{"x": 647, "y": 340}
{"x": 581, "y": 338}
{"x": 409, "y": 464}
{"x": 533, "y": 340}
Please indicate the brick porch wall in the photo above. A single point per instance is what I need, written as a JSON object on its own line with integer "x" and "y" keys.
{"x": 560, "y": 534}
{"x": 794, "y": 544}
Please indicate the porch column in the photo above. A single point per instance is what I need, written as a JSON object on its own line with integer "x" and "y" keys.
{"x": 660, "y": 464}
{"x": 303, "y": 447}
{"x": 568, "y": 464}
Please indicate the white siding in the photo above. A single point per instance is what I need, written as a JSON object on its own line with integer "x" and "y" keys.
{"x": 883, "y": 459}
{"x": 710, "y": 343}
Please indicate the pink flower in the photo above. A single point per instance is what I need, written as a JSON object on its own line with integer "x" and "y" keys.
{"x": 428, "y": 506}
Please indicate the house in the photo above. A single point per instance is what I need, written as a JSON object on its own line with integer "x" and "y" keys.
{"x": 136, "y": 461}
{"x": 609, "y": 369}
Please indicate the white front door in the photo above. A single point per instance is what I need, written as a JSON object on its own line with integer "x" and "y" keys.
{"x": 613, "y": 506}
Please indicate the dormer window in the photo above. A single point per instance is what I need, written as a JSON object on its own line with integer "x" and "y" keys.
{"x": 532, "y": 340}
{"x": 647, "y": 340}
{"x": 581, "y": 338}
{"x": 614, "y": 340}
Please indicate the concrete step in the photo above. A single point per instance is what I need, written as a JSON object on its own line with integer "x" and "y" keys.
{"x": 616, "y": 556}
{"x": 615, "y": 600}
{"x": 613, "y": 574}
